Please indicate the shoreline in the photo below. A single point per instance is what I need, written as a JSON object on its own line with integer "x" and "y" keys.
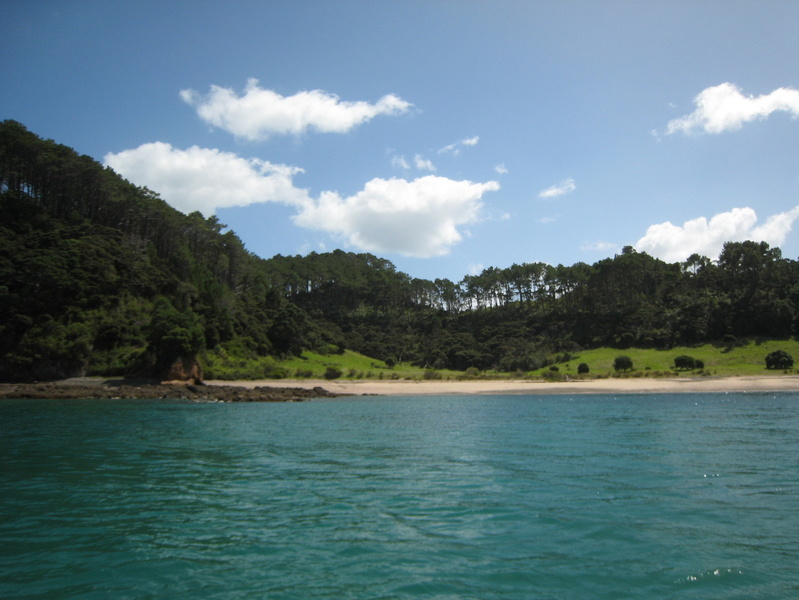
{"x": 299, "y": 390}
{"x": 641, "y": 385}
{"x": 98, "y": 388}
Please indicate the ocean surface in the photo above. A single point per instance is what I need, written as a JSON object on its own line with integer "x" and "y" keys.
{"x": 446, "y": 497}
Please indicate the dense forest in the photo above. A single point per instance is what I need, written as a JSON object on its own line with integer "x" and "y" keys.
{"x": 99, "y": 276}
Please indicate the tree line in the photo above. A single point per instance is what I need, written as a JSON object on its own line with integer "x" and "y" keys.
{"x": 100, "y": 276}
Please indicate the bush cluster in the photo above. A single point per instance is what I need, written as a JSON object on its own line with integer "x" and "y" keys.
{"x": 779, "y": 359}
{"x": 687, "y": 363}
{"x": 623, "y": 363}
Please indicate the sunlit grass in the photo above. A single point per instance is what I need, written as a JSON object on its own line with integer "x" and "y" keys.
{"x": 748, "y": 358}
{"x": 740, "y": 359}
{"x": 356, "y": 366}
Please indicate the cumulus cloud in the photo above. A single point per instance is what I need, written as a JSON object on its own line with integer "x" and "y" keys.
{"x": 414, "y": 218}
{"x": 501, "y": 169}
{"x": 259, "y": 113}
{"x": 673, "y": 243}
{"x": 423, "y": 217}
{"x": 564, "y": 187}
{"x": 725, "y": 108}
{"x": 206, "y": 179}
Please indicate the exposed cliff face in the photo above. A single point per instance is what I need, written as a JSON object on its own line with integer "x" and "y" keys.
{"x": 184, "y": 369}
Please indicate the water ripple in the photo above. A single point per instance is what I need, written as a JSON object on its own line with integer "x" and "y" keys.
{"x": 402, "y": 498}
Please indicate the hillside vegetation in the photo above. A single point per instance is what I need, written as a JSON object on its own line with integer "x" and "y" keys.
{"x": 99, "y": 276}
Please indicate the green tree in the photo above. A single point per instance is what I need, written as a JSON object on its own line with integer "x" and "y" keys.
{"x": 623, "y": 363}
{"x": 684, "y": 362}
{"x": 173, "y": 334}
{"x": 779, "y": 359}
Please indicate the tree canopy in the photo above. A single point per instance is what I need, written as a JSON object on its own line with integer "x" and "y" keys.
{"x": 100, "y": 276}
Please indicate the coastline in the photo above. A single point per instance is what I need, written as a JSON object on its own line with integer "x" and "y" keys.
{"x": 79, "y": 388}
{"x": 299, "y": 390}
{"x": 641, "y": 385}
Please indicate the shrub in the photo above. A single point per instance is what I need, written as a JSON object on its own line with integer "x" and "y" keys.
{"x": 327, "y": 349}
{"x": 551, "y": 375}
{"x": 684, "y": 362}
{"x": 471, "y": 373}
{"x": 779, "y": 359}
{"x": 333, "y": 373}
{"x": 622, "y": 363}
{"x": 390, "y": 362}
{"x": 431, "y": 374}
{"x": 583, "y": 369}
{"x": 278, "y": 373}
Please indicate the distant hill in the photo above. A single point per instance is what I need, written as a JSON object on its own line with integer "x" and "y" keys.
{"x": 99, "y": 276}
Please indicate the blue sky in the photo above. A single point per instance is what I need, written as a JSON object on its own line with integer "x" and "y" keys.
{"x": 444, "y": 136}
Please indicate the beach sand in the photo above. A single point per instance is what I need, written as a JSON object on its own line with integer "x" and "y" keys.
{"x": 642, "y": 385}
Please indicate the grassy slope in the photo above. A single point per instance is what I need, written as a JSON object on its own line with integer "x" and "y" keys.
{"x": 356, "y": 366}
{"x": 745, "y": 359}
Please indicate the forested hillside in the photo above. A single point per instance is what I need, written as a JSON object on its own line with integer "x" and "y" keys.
{"x": 99, "y": 276}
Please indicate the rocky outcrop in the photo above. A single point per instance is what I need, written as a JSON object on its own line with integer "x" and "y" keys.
{"x": 184, "y": 369}
{"x": 126, "y": 389}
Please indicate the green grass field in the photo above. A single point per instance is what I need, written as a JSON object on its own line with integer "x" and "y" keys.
{"x": 744, "y": 358}
{"x": 311, "y": 365}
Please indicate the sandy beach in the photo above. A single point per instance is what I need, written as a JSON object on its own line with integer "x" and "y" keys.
{"x": 299, "y": 390}
{"x": 774, "y": 383}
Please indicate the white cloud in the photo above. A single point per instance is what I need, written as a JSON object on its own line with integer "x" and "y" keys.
{"x": 547, "y": 220}
{"x": 501, "y": 169}
{"x": 455, "y": 148}
{"x": 476, "y": 268}
{"x": 399, "y": 162}
{"x": 415, "y": 218}
{"x": 423, "y": 164}
{"x": 206, "y": 179}
{"x": 564, "y": 187}
{"x": 673, "y": 243}
{"x": 725, "y": 108}
{"x": 259, "y": 113}
{"x": 423, "y": 217}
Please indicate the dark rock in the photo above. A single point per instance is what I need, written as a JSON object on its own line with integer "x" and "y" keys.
{"x": 111, "y": 389}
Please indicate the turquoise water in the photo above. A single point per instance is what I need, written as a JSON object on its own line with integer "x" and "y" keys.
{"x": 528, "y": 497}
